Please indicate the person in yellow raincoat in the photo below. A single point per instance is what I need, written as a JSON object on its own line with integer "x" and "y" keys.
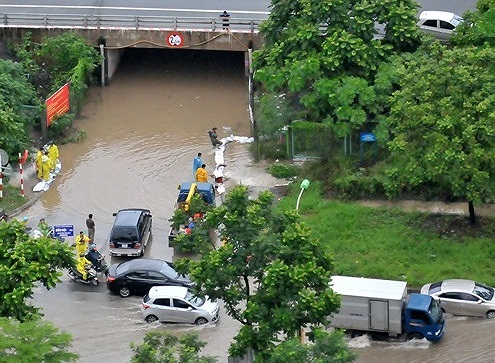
{"x": 53, "y": 154}
{"x": 82, "y": 262}
{"x": 39, "y": 163}
{"x": 202, "y": 174}
{"x": 82, "y": 243}
{"x": 46, "y": 166}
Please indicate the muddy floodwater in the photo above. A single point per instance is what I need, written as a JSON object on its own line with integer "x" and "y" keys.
{"x": 143, "y": 131}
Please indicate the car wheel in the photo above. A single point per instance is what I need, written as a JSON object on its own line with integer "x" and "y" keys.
{"x": 201, "y": 321}
{"x": 124, "y": 291}
{"x": 151, "y": 319}
{"x": 490, "y": 314}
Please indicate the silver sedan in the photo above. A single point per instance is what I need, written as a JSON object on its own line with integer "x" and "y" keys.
{"x": 463, "y": 297}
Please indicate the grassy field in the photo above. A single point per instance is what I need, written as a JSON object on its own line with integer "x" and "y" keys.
{"x": 397, "y": 245}
{"x": 11, "y": 199}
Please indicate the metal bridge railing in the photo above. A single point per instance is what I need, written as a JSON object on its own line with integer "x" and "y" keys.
{"x": 33, "y": 20}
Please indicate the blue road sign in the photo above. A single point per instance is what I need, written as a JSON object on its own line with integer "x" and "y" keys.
{"x": 64, "y": 230}
{"x": 367, "y": 137}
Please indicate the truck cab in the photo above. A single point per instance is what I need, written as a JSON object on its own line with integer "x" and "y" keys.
{"x": 423, "y": 317}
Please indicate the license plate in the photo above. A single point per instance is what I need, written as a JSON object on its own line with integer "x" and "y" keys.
{"x": 124, "y": 245}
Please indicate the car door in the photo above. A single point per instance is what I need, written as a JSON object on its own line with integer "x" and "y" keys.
{"x": 157, "y": 279}
{"x": 145, "y": 228}
{"x": 138, "y": 282}
{"x": 162, "y": 308}
{"x": 183, "y": 311}
{"x": 459, "y": 303}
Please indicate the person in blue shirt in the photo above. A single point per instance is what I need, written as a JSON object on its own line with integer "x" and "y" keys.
{"x": 197, "y": 162}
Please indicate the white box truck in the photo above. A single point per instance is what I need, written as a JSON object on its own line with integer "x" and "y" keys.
{"x": 384, "y": 307}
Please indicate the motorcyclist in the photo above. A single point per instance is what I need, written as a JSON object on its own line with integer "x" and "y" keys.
{"x": 96, "y": 259}
{"x": 82, "y": 262}
{"x": 82, "y": 243}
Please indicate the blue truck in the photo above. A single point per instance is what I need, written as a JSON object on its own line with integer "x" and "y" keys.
{"x": 187, "y": 191}
{"x": 384, "y": 307}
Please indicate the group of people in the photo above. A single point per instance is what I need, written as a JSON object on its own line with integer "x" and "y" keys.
{"x": 46, "y": 161}
{"x": 87, "y": 253}
{"x": 199, "y": 168}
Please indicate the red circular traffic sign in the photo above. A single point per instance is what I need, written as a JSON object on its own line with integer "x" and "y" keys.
{"x": 175, "y": 40}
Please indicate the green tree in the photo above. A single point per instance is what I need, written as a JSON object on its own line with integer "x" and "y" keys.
{"x": 442, "y": 124}
{"x": 327, "y": 348}
{"x": 272, "y": 276}
{"x": 25, "y": 262}
{"x": 163, "y": 347}
{"x": 479, "y": 26}
{"x": 325, "y": 55}
{"x": 33, "y": 341}
{"x": 15, "y": 94}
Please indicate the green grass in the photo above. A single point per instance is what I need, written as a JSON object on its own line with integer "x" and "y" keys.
{"x": 390, "y": 244}
{"x": 12, "y": 198}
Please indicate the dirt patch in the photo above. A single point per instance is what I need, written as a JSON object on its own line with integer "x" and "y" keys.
{"x": 457, "y": 227}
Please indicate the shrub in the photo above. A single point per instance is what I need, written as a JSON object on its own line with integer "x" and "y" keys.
{"x": 281, "y": 170}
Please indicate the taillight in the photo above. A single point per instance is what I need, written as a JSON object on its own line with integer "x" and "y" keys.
{"x": 137, "y": 245}
{"x": 110, "y": 278}
{"x": 146, "y": 306}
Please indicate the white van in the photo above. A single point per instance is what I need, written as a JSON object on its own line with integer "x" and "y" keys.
{"x": 176, "y": 304}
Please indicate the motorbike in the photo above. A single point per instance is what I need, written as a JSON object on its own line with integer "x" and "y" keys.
{"x": 98, "y": 261}
{"x": 76, "y": 275}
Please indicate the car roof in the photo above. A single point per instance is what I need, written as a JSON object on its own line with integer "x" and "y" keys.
{"x": 438, "y": 15}
{"x": 141, "y": 263}
{"x": 457, "y": 285}
{"x": 128, "y": 217}
{"x": 167, "y": 291}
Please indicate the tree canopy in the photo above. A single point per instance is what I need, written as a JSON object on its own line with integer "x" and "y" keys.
{"x": 442, "y": 123}
{"x": 33, "y": 341}
{"x": 25, "y": 262}
{"x": 160, "y": 346}
{"x": 326, "y": 54}
{"x": 478, "y": 28}
{"x": 271, "y": 274}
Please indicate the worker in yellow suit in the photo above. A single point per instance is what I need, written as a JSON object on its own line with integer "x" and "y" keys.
{"x": 46, "y": 166}
{"x": 202, "y": 174}
{"x": 53, "y": 154}
{"x": 82, "y": 262}
{"x": 39, "y": 163}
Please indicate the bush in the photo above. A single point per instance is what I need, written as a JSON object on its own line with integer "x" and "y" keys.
{"x": 280, "y": 170}
{"x": 356, "y": 186}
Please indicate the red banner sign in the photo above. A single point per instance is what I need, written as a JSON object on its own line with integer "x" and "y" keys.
{"x": 57, "y": 104}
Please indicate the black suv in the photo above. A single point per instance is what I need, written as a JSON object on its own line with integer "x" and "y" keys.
{"x": 130, "y": 233}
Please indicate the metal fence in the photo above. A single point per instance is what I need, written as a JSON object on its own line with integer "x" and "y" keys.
{"x": 136, "y": 22}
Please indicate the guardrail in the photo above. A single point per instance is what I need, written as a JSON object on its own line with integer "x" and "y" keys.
{"x": 141, "y": 22}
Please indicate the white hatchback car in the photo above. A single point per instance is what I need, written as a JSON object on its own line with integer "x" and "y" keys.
{"x": 176, "y": 304}
{"x": 440, "y": 24}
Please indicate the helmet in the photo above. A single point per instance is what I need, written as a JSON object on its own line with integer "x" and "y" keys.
{"x": 92, "y": 246}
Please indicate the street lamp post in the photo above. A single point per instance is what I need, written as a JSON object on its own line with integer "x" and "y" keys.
{"x": 304, "y": 185}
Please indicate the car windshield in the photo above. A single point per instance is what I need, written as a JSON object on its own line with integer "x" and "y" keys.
{"x": 483, "y": 291}
{"x": 456, "y": 20}
{"x": 168, "y": 271}
{"x": 436, "y": 311}
{"x": 194, "y": 300}
{"x": 123, "y": 234}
